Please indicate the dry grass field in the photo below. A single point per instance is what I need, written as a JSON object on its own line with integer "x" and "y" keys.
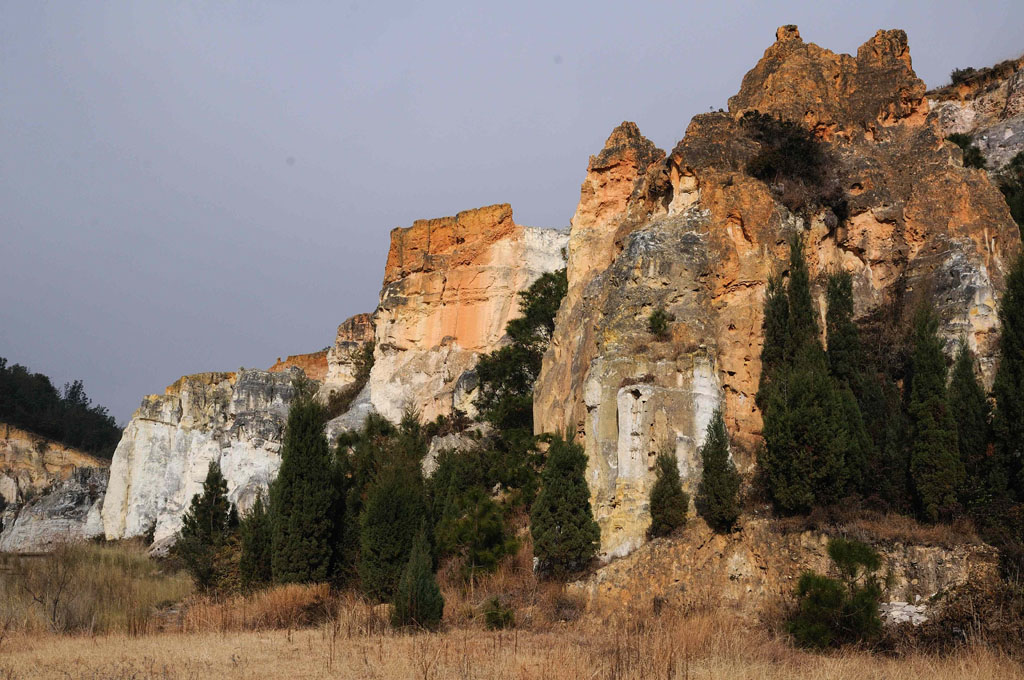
{"x": 701, "y": 646}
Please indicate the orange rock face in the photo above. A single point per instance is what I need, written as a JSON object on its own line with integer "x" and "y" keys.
{"x": 314, "y": 365}
{"x": 693, "y": 234}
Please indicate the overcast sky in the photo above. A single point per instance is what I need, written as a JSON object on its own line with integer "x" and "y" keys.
{"x": 195, "y": 186}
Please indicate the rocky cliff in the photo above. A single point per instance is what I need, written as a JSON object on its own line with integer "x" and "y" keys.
{"x": 314, "y": 364}
{"x": 50, "y": 493}
{"x": 235, "y": 419}
{"x": 989, "y": 106}
{"x": 343, "y": 355}
{"x": 692, "y": 233}
{"x": 450, "y": 286}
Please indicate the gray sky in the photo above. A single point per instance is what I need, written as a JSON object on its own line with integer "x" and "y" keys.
{"x": 193, "y": 186}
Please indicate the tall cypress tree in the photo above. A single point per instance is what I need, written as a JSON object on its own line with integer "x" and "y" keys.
{"x": 1008, "y": 388}
{"x": 254, "y": 565}
{"x": 207, "y": 524}
{"x": 302, "y": 497}
{"x": 418, "y": 600}
{"x": 775, "y": 330}
{"x": 717, "y": 495}
{"x": 669, "y": 503}
{"x": 394, "y": 509}
{"x": 565, "y": 535}
{"x": 970, "y": 412}
{"x": 936, "y": 470}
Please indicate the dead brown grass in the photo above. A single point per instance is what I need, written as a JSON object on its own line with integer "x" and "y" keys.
{"x": 872, "y": 526}
{"x": 279, "y": 607}
{"x": 621, "y": 648}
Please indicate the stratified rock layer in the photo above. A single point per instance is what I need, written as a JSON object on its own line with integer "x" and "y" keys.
{"x": 342, "y": 357}
{"x": 314, "y": 364}
{"x": 450, "y": 287}
{"x": 691, "y": 233}
{"x": 234, "y": 419}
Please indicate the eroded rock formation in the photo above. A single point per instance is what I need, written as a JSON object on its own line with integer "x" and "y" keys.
{"x": 342, "y": 357}
{"x": 235, "y": 419}
{"x": 692, "y": 233}
{"x": 450, "y": 287}
{"x": 314, "y": 364}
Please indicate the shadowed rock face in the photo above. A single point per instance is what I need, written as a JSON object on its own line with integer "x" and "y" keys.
{"x": 234, "y": 419}
{"x": 67, "y": 512}
{"x": 690, "y": 232}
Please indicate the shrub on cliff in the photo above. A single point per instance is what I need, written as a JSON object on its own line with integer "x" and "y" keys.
{"x": 207, "y": 527}
{"x": 302, "y": 497}
{"x": 936, "y": 470}
{"x": 973, "y": 157}
{"x": 254, "y": 566}
{"x": 669, "y": 503}
{"x": 339, "y": 401}
{"x": 718, "y": 492}
{"x": 418, "y": 600}
{"x": 565, "y": 535}
{"x": 1011, "y": 183}
{"x": 393, "y": 511}
{"x": 657, "y": 323}
{"x": 834, "y": 612}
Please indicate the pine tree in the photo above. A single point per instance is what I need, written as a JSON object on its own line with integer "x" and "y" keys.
{"x": 418, "y": 600}
{"x": 254, "y": 566}
{"x": 206, "y": 526}
{"x": 936, "y": 470}
{"x": 472, "y": 526}
{"x": 394, "y": 508}
{"x": 969, "y": 407}
{"x": 1008, "y": 388}
{"x": 775, "y": 329}
{"x": 669, "y": 503}
{"x": 302, "y": 497}
{"x": 565, "y": 535}
{"x": 845, "y": 358}
{"x": 717, "y": 494}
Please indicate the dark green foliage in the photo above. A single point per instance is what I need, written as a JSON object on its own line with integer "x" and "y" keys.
{"x": 31, "y": 402}
{"x": 718, "y": 492}
{"x": 302, "y": 497}
{"x": 472, "y": 526}
{"x": 254, "y": 565}
{"x": 1008, "y": 387}
{"x": 565, "y": 535}
{"x": 833, "y": 612}
{"x": 1011, "y": 183}
{"x": 391, "y": 516}
{"x": 339, "y": 401}
{"x": 657, "y": 323}
{"x": 973, "y": 157}
{"x": 669, "y": 503}
{"x": 845, "y": 357}
{"x": 961, "y": 75}
{"x": 936, "y": 470}
{"x": 807, "y": 438}
{"x": 497, "y": 616}
{"x": 969, "y": 407}
{"x": 506, "y": 376}
{"x": 206, "y": 528}
{"x": 418, "y": 600}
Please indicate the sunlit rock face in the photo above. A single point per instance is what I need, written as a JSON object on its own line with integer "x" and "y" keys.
{"x": 450, "y": 287}
{"x": 691, "y": 233}
{"x": 234, "y": 419}
{"x": 342, "y": 356}
{"x": 989, "y": 107}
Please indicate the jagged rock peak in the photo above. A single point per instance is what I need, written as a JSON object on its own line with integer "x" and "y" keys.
{"x": 626, "y": 143}
{"x": 803, "y": 82}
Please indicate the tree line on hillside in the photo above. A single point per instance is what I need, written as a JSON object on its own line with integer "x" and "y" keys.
{"x": 31, "y": 402}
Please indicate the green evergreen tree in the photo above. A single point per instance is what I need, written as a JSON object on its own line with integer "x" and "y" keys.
{"x": 969, "y": 407}
{"x": 565, "y": 535}
{"x": 393, "y": 511}
{"x": 718, "y": 491}
{"x": 1008, "y": 387}
{"x": 418, "y": 600}
{"x": 1011, "y": 183}
{"x": 472, "y": 527}
{"x": 669, "y": 503}
{"x": 302, "y": 497}
{"x": 775, "y": 329}
{"x": 935, "y": 467}
{"x": 206, "y": 527}
{"x": 254, "y": 565}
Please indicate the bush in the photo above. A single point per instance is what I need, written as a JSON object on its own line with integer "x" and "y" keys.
{"x": 565, "y": 535}
{"x": 833, "y": 612}
{"x": 657, "y": 323}
{"x": 497, "y": 616}
{"x": 669, "y": 503}
{"x": 418, "y": 600}
{"x": 973, "y": 157}
{"x": 390, "y": 519}
{"x": 256, "y": 546}
{"x": 962, "y": 75}
{"x": 472, "y": 527}
{"x": 207, "y": 528}
{"x": 717, "y": 494}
